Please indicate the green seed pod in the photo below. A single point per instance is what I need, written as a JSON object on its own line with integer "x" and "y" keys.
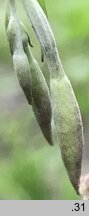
{"x": 68, "y": 126}
{"x": 30, "y": 77}
{"x": 41, "y": 100}
{"x": 40, "y": 96}
{"x": 20, "y": 61}
{"x": 65, "y": 110}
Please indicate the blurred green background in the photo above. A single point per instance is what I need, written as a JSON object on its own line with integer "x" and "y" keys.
{"x": 29, "y": 167}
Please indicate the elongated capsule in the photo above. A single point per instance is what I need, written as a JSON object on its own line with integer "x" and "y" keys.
{"x": 68, "y": 126}
{"x": 20, "y": 61}
{"x": 65, "y": 110}
{"x": 41, "y": 103}
{"x": 30, "y": 78}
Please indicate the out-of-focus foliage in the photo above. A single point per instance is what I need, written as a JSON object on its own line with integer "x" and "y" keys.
{"x": 29, "y": 167}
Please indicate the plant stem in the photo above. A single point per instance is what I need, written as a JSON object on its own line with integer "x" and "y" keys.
{"x": 45, "y": 36}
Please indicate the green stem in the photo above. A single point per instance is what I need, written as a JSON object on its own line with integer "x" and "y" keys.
{"x": 11, "y": 7}
{"x": 45, "y": 36}
{"x": 13, "y": 27}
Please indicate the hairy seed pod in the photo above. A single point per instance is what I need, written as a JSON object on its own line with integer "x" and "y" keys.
{"x": 68, "y": 126}
{"x": 41, "y": 103}
{"x": 65, "y": 110}
{"x": 30, "y": 76}
{"x": 20, "y": 61}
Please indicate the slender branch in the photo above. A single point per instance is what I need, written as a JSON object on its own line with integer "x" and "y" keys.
{"x": 45, "y": 36}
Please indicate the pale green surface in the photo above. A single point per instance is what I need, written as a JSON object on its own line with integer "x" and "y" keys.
{"x": 29, "y": 167}
{"x": 42, "y": 3}
{"x": 68, "y": 126}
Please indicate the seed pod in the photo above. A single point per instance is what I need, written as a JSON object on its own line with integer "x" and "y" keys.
{"x": 20, "y": 61}
{"x": 30, "y": 77}
{"x": 40, "y": 96}
{"x": 65, "y": 110}
{"x": 68, "y": 126}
